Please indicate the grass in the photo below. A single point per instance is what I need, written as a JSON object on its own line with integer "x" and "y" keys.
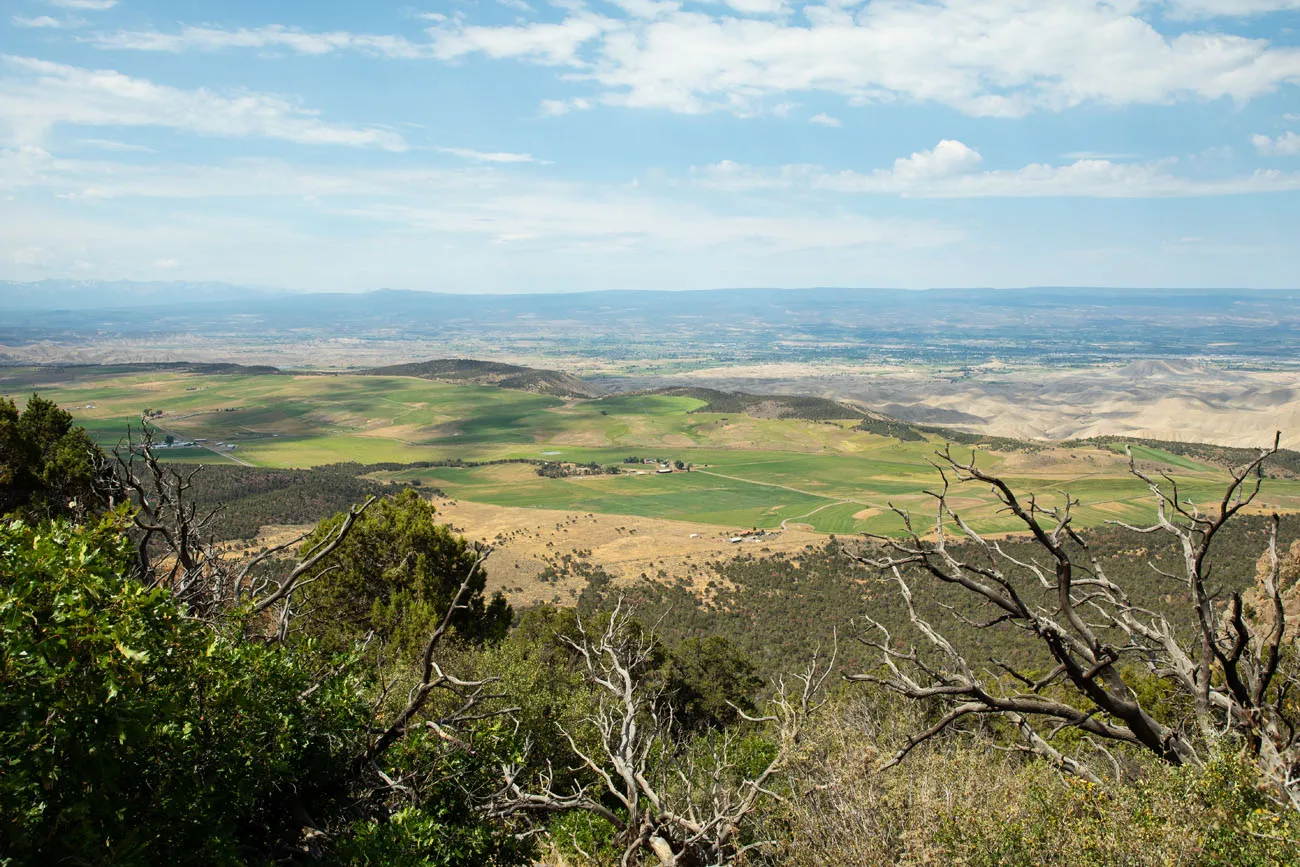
{"x": 748, "y": 472}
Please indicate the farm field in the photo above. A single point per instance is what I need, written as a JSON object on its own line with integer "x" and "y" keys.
{"x": 746, "y": 472}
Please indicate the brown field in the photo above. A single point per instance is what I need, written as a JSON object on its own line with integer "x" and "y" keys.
{"x": 526, "y": 540}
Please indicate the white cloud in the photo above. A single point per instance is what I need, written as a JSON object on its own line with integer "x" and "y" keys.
{"x": 759, "y": 7}
{"x": 551, "y": 44}
{"x": 948, "y": 158}
{"x": 425, "y": 228}
{"x": 41, "y": 21}
{"x": 492, "y": 157}
{"x": 274, "y": 36}
{"x": 951, "y": 171}
{"x": 992, "y": 57}
{"x": 37, "y": 95}
{"x": 1099, "y": 155}
{"x": 518, "y": 5}
{"x": 995, "y": 57}
{"x": 825, "y": 120}
{"x": 557, "y": 107}
{"x": 105, "y": 144}
{"x": 1285, "y": 145}
{"x": 1193, "y": 9}
{"x": 85, "y": 5}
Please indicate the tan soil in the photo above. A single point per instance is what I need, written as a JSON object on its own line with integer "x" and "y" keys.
{"x": 524, "y": 540}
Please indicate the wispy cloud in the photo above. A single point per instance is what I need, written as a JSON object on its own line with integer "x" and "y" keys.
{"x": 85, "y": 5}
{"x": 1099, "y": 155}
{"x": 492, "y": 157}
{"x": 1285, "y": 145}
{"x": 107, "y": 144}
{"x": 994, "y": 58}
{"x": 44, "y": 22}
{"x": 951, "y": 170}
{"x": 557, "y": 107}
{"x": 825, "y": 120}
{"x": 274, "y": 36}
{"x": 1196, "y": 9}
{"x": 36, "y": 95}
{"x": 415, "y": 217}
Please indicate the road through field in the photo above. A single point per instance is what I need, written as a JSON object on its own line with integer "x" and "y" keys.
{"x": 784, "y": 521}
{"x": 786, "y": 488}
{"x": 833, "y": 502}
{"x": 239, "y": 461}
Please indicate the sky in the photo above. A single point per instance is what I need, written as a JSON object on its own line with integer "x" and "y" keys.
{"x": 562, "y": 145}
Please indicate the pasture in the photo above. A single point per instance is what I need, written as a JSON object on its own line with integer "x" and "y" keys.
{"x": 746, "y": 472}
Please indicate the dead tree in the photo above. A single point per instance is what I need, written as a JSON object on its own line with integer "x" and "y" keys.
{"x": 1238, "y": 675}
{"x": 174, "y": 551}
{"x": 174, "y": 548}
{"x": 464, "y": 702}
{"x": 684, "y": 807}
{"x": 468, "y": 696}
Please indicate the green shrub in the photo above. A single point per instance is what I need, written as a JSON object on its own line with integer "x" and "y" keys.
{"x": 396, "y": 574}
{"x": 48, "y": 465}
{"x": 129, "y": 734}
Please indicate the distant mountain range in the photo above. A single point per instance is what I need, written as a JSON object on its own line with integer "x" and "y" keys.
{"x": 119, "y": 294}
{"x": 1059, "y": 324}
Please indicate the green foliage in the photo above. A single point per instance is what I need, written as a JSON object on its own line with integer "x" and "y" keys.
{"x": 784, "y": 406}
{"x": 129, "y": 734}
{"x": 396, "y": 574}
{"x": 779, "y": 609}
{"x": 439, "y": 826}
{"x": 1285, "y": 464}
{"x": 708, "y": 681}
{"x": 1211, "y": 817}
{"x": 957, "y": 802}
{"x": 47, "y": 463}
{"x": 250, "y": 498}
{"x": 888, "y": 427}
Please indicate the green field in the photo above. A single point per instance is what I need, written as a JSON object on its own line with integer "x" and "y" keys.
{"x": 747, "y": 472}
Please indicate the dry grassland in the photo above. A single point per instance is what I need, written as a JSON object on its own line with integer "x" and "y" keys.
{"x": 526, "y": 541}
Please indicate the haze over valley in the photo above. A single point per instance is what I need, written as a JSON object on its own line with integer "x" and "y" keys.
{"x": 1051, "y": 364}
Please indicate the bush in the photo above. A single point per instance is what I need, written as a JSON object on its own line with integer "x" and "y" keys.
{"x": 129, "y": 734}
{"x": 396, "y": 573}
{"x": 48, "y": 465}
{"x": 957, "y": 801}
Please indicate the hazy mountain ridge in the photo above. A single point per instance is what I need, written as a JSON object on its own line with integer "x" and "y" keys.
{"x": 783, "y": 406}
{"x": 1057, "y": 325}
{"x": 470, "y": 371}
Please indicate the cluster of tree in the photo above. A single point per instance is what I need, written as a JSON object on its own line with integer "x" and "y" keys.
{"x": 889, "y": 427}
{"x": 785, "y": 406}
{"x": 677, "y": 463}
{"x": 424, "y": 465}
{"x": 355, "y": 696}
{"x": 48, "y": 465}
{"x": 250, "y": 498}
{"x": 1284, "y": 464}
{"x": 779, "y": 607}
{"x": 564, "y": 469}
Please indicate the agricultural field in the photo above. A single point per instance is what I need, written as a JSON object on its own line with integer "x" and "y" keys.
{"x": 745, "y": 472}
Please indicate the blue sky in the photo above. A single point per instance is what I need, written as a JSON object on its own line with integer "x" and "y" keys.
{"x": 526, "y": 145}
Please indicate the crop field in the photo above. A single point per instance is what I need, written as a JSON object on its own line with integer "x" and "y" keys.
{"x": 745, "y": 472}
